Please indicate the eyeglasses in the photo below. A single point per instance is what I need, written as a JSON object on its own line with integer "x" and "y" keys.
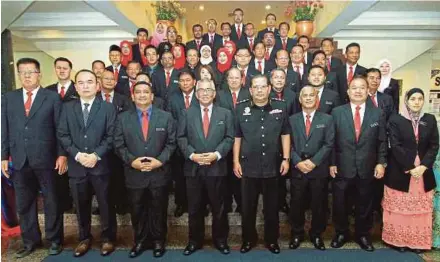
{"x": 207, "y": 90}
{"x": 23, "y": 73}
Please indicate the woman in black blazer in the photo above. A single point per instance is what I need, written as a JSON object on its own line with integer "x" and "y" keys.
{"x": 409, "y": 180}
{"x": 389, "y": 85}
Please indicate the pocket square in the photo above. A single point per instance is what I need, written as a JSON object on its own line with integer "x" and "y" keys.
{"x": 374, "y": 124}
{"x": 160, "y": 129}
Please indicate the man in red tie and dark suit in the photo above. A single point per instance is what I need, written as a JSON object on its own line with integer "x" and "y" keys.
{"x": 359, "y": 158}
{"x": 284, "y": 41}
{"x": 332, "y": 63}
{"x": 133, "y": 69}
{"x": 237, "y": 28}
{"x": 115, "y": 54}
{"x": 165, "y": 79}
{"x": 212, "y": 38}
{"x": 29, "y": 118}
{"x": 196, "y": 43}
{"x": 145, "y": 140}
{"x": 205, "y": 136}
{"x": 378, "y": 99}
{"x": 298, "y": 66}
{"x": 250, "y": 38}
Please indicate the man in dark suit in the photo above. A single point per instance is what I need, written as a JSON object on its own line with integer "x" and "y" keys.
{"x": 327, "y": 99}
{"x": 271, "y": 22}
{"x": 86, "y": 133}
{"x": 378, "y": 99}
{"x": 284, "y": 42}
{"x": 98, "y": 67}
{"x": 157, "y": 101}
{"x": 304, "y": 41}
{"x": 331, "y": 80}
{"x": 332, "y": 63}
{"x": 212, "y": 38}
{"x": 205, "y": 136}
{"x": 29, "y": 118}
{"x": 179, "y": 101}
{"x": 165, "y": 79}
{"x": 133, "y": 69}
{"x": 152, "y": 60}
{"x": 141, "y": 35}
{"x": 346, "y": 72}
{"x": 66, "y": 89}
{"x": 238, "y": 29}
{"x": 192, "y": 61}
{"x": 145, "y": 139}
{"x": 359, "y": 157}
{"x": 298, "y": 65}
{"x": 118, "y": 70}
{"x": 293, "y": 81}
{"x": 250, "y": 38}
{"x": 196, "y": 43}
{"x": 312, "y": 137}
{"x": 228, "y": 98}
{"x": 258, "y": 62}
{"x": 269, "y": 44}
{"x": 226, "y": 36}
{"x": 243, "y": 58}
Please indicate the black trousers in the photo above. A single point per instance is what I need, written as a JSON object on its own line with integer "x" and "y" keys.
{"x": 378, "y": 195}
{"x": 180, "y": 196}
{"x": 300, "y": 190}
{"x": 233, "y": 191}
{"x": 282, "y": 190}
{"x": 27, "y": 182}
{"x": 149, "y": 214}
{"x": 361, "y": 192}
{"x": 65, "y": 200}
{"x": 118, "y": 191}
{"x": 251, "y": 189}
{"x": 82, "y": 188}
{"x": 215, "y": 187}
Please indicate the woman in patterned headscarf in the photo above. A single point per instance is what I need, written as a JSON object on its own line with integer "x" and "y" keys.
{"x": 159, "y": 35}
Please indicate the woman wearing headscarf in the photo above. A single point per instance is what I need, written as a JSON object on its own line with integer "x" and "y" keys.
{"x": 231, "y": 47}
{"x": 127, "y": 52}
{"x": 224, "y": 63}
{"x": 409, "y": 182}
{"x": 389, "y": 85}
{"x": 159, "y": 34}
{"x": 206, "y": 55}
{"x": 179, "y": 56}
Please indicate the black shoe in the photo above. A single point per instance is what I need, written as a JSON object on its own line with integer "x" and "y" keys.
{"x": 136, "y": 250}
{"x": 158, "y": 250}
{"x": 274, "y": 248}
{"x": 223, "y": 248}
{"x": 228, "y": 209}
{"x": 318, "y": 243}
{"x": 190, "y": 248}
{"x": 238, "y": 210}
{"x": 285, "y": 209}
{"x": 206, "y": 212}
{"x": 121, "y": 210}
{"x": 294, "y": 243}
{"x": 179, "y": 211}
{"x": 339, "y": 241}
{"x": 246, "y": 247}
{"x": 55, "y": 249}
{"x": 365, "y": 244}
{"x": 95, "y": 211}
{"x": 24, "y": 252}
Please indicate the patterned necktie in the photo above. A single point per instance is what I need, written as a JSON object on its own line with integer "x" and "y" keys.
{"x": 187, "y": 103}
{"x": 28, "y": 104}
{"x": 266, "y": 55}
{"x": 239, "y": 32}
{"x": 116, "y": 74}
{"x": 145, "y": 125}
{"x": 308, "y": 125}
{"x": 62, "y": 92}
{"x": 357, "y": 123}
{"x": 205, "y": 121}
{"x": 167, "y": 79}
{"x": 86, "y": 113}
{"x": 350, "y": 75}
{"x": 107, "y": 98}
{"x": 284, "y": 44}
{"x": 234, "y": 98}
{"x": 373, "y": 99}
{"x": 260, "y": 68}
{"x": 251, "y": 43}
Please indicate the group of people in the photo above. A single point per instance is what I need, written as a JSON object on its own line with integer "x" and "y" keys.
{"x": 223, "y": 118}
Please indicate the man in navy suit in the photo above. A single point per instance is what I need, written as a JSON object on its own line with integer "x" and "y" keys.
{"x": 29, "y": 118}
{"x": 98, "y": 67}
{"x": 258, "y": 62}
{"x": 271, "y": 22}
{"x": 196, "y": 43}
{"x": 269, "y": 43}
{"x": 86, "y": 133}
{"x": 237, "y": 34}
{"x": 293, "y": 81}
{"x": 205, "y": 136}
{"x": 145, "y": 140}
{"x": 211, "y": 37}
{"x": 378, "y": 99}
{"x": 298, "y": 65}
{"x": 152, "y": 60}
{"x": 284, "y": 41}
{"x": 243, "y": 58}
{"x": 327, "y": 98}
{"x": 141, "y": 35}
{"x": 304, "y": 41}
{"x": 250, "y": 38}
{"x": 118, "y": 70}
{"x": 332, "y": 62}
{"x": 165, "y": 79}
{"x": 331, "y": 79}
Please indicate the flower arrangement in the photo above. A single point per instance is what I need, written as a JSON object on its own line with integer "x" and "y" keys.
{"x": 303, "y": 10}
{"x": 169, "y": 10}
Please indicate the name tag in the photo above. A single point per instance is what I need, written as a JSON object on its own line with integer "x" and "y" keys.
{"x": 159, "y": 129}
{"x": 374, "y": 124}
{"x": 276, "y": 111}
{"x": 176, "y": 81}
{"x": 124, "y": 77}
{"x": 328, "y": 102}
{"x": 220, "y": 123}
{"x": 320, "y": 126}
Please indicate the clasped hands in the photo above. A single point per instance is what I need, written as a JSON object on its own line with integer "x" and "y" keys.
{"x": 146, "y": 164}
{"x": 204, "y": 158}
{"x": 87, "y": 160}
{"x": 417, "y": 171}
{"x": 305, "y": 166}
{"x": 379, "y": 171}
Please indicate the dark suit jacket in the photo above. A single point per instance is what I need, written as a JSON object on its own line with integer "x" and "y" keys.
{"x": 291, "y": 99}
{"x": 290, "y": 44}
{"x": 123, "y": 89}
{"x": 217, "y": 42}
{"x": 292, "y": 80}
{"x": 244, "y": 42}
{"x": 359, "y": 158}
{"x": 309, "y": 59}
{"x": 31, "y": 138}
{"x": 329, "y": 100}
{"x": 71, "y": 93}
{"x": 159, "y": 83}
{"x": 147, "y": 69}
{"x": 122, "y": 76}
{"x": 137, "y": 54}
{"x": 176, "y": 104}
{"x": 341, "y": 74}
{"x": 234, "y": 35}
{"x": 94, "y": 137}
{"x": 331, "y": 81}
{"x": 130, "y": 144}
{"x": 262, "y": 32}
{"x": 404, "y": 149}
{"x": 120, "y": 102}
{"x": 224, "y": 98}
{"x": 193, "y": 45}
{"x": 385, "y": 102}
{"x": 268, "y": 66}
{"x": 335, "y": 63}
{"x": 191, "y": 139}
{"x": 302, "y": 80}
{"x": 394, "y": 91}
{"x": 317, "y": 146}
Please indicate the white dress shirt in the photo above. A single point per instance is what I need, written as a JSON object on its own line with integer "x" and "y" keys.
{"x": 34, "y": 93}
{"x": 245, "y": 69}
{"x": 348, "y": 69}
{"x": 375, "y": 97}
{"x": 112, "y": 94}
{"x": 262, "y": 64}
{"x": 190, "y": 96}
{"x": 320, "y": 92}
{"x": 311, "y": 116}
{"x": 361, "y": 111}
{"x": 301, "y": 68}
{"x": 66, "y": 87}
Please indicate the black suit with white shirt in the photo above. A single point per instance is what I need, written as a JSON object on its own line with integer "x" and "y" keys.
{"x": 342, "y": 76}
{"x": 69, "y": 94}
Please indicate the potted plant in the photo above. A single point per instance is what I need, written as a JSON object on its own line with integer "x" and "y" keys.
{"x": 304, "y": 13}
{"x": 168, "y": 11}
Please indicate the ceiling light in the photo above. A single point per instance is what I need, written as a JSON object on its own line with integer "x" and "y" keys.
{"x": 201, "y": 7}
{"x": 268, "y": 7}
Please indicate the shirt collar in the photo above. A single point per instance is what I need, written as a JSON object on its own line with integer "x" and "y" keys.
{"x": 139, "y": 111}
{"x": 353, "y": 106}
{"x": 67, "y": 85}
{"x": 375, "y": 94}
{"x": 209, "y": 108}
{"x": 311, "y": 114}
{"x": 34, "y": 92}
{"x": 112, "y": 94}
{"x": 89, "y": 102}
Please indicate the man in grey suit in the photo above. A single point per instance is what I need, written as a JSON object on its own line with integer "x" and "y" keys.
{"x": 145, "y": 140}
{"x": 205, "y": 137}
{"x": 29, "y": 118}
{"x": 313, "y": 136}
{"x": 86, "y": 133}
{"x": 359, "y": 157}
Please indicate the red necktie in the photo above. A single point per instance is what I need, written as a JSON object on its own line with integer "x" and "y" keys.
{"x": 280, "y": 95}
{"x": 284, "y": 44}
{"x": 329, "y": 64}
{"x": 205, "y": 121}
{"x": 62, "y": 92}
{"x": 251, "y": 43}
{"x": 107, "y": 98}
{"x": 198, "y": 44}
{"x": 145, "y": 124}
{"x": 297, "y": 70}
{"x": 260, "y": 68}
{"x": 28, "y": 104}
{"x": 308, "y": 125}
{"x": 373, "y": 99}
{"x": 357, "y": 123}
{"x": 243, "y": 77}
{"x": 116, "y": 73}
{"x": 318, "y": 103}
{"x": 167, "y": 79}
{"x": 239, "y": 32}
{"x": 187, "y": 101}
{"x": 350, "y": 75}
{"x": 132, "y": 82}
{"x": 267, "y": 56}
{"x": 234, "y": 98}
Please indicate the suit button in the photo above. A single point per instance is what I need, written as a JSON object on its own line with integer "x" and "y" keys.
{"x": 25, "y": 140}
{"x": 263, "y": 154}
{"x": 145, "y": 147}
{"x": 307, "y": 145}
{"x": 262, "y": 119}
{"x": 263, "y": 144}
{"x": 85, "y": 136}
{"x": 262, "y": 127}
{"x": 262, "y": 135}
{"x": 85, "y": 148}
{"x": 26, "y": 128}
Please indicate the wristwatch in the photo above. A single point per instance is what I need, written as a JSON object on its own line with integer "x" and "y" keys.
{"x": 286, "y": 159}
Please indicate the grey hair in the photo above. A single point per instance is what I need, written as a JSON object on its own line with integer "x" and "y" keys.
{"x": 205, "y": 81}
{"x": 302, "y": 90}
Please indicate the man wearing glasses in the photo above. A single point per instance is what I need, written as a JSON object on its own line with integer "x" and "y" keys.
{"x": 205, "y": 136}
{"x": 260, "y": 124}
